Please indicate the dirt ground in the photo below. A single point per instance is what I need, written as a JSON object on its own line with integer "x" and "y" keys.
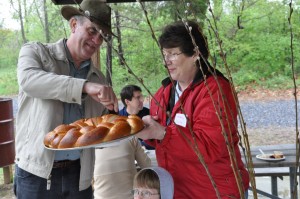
{"x": 6, "y": 190}
{"x": 266, "y": 95}
{"x": 257, "y": 136}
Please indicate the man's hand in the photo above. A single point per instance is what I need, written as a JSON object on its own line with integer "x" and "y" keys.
{"x": 103, "y": 94}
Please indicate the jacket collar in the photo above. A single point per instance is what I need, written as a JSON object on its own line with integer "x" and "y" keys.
{"x": 58, "y": 50}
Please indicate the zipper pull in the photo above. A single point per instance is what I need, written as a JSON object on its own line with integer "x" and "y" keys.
{"x": 49, "y": 182}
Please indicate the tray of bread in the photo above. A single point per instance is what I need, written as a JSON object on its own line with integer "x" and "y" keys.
{"x": 98, "y": 132}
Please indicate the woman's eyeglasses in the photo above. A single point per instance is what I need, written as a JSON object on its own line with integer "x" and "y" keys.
{"x": 171, "y": 57}
{"x": 144, "y": 194}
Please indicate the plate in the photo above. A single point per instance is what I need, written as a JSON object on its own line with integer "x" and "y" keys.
{"x": 97, "y": 146}
{"x": 267, "y": 157}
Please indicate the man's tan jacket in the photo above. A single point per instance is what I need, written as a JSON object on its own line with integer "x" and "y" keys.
{"x": 44, "y": 85}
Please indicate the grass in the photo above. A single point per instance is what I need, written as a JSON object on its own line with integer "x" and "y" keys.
{"x": 1, "y": 174}
{"x": 8, "y": 81}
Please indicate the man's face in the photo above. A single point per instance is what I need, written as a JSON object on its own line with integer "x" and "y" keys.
{"x": 136, "y": 103}
{"x": 86, "y": 39}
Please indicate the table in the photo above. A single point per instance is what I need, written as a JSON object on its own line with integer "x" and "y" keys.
{"x": 276, "y": 168}
{"x": 267, "y": 168}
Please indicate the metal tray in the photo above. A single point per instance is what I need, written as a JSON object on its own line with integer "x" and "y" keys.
{"x": 100, "y": 145}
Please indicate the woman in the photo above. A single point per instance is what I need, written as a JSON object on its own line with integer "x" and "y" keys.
{"x": 201, "y": 95}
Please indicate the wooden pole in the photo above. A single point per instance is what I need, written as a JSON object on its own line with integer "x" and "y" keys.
{"x": 7, "y": 173}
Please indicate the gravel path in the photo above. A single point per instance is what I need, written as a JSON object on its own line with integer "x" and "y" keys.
{"x": 257, "y": 114}
{"x": 270, "y": 122}
{"x": 279, "y": 113}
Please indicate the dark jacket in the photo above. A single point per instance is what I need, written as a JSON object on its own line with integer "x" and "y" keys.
{"x": 142, "y": 113}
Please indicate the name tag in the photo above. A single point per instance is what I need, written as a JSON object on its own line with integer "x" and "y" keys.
{"x": 180, "y": 119}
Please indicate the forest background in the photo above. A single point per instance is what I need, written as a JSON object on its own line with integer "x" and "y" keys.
{"x": 254, "y": 36}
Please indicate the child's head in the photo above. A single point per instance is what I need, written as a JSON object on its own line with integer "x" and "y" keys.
{"x": 153, "y": 183}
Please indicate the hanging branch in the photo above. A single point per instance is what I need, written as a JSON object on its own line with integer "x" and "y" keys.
{"x": 248, "y": 156}
{"x": 148, "y": 91}
{"x": 231, "y": 151}
{"x": 119, "y": 38}
{"x": 221, "y": 98}
{"x": 21, "y": 18}
{"x": 219, "y": 114}
{"x": 194, "y": 146}
{"x": 239, "y": 20}
{"x": 157, "y": 43}
{"x": 295, "y": 96}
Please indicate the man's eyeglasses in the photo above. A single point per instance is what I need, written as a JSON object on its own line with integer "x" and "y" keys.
{"x": 144, "y": 194}
{"x": 171, "y": 57}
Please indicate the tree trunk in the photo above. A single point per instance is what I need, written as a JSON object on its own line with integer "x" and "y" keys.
{"x": 109, "y": 61}
{"x": 47, "y": 33}
{"x": 21, "y": 22}
{"x": 120, "y": 48}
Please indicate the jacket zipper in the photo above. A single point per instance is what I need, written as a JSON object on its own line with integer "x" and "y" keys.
{"x": 49, "y": 182}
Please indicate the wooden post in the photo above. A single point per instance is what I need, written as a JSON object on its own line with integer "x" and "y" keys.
{"x": 7, "y": 173}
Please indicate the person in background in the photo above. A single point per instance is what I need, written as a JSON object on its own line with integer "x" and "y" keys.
{"x": 154, "y": 183}
{"x": 133, "y": 101}
{"x": 58, "y": 84}
{"x": 193, "y": 102}
{"x": 115, "y": 166}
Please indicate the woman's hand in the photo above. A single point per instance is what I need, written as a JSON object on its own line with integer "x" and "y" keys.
{"x": 152, "y": 130}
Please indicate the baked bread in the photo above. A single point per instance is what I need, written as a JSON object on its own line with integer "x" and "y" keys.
{"x": 278, "y": 154}
{"x": 92, "y": 131}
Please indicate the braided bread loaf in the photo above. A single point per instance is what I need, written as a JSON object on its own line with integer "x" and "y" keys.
{"x": 92, "y": 131}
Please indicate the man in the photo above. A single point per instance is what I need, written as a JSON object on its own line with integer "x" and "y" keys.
{"x": 133, "y": 101}
{"x": 59, "y": 84}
